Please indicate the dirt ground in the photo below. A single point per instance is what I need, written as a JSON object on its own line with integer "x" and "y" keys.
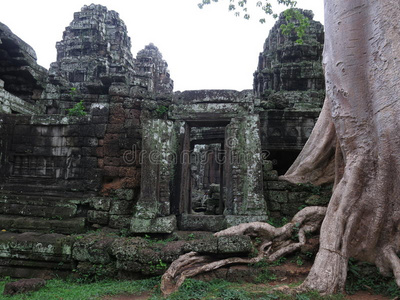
{"x": 143, "y": 296}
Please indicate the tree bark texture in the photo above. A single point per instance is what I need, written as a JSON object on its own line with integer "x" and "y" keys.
{"x": 362, "y": 73}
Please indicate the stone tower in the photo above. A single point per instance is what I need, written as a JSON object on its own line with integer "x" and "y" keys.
{"x": 94, "y": 51}
{"x": 150, "y": 63}
{"x": 290, "y": 75}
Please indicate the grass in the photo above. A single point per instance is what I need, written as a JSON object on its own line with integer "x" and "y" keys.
{"x": 223, "y": 290}
{"x": 57, "y": 289}
{"x": 361, "y": 277}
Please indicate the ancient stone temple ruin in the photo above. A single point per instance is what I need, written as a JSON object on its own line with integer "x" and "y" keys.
{"x": 136, "y": 156}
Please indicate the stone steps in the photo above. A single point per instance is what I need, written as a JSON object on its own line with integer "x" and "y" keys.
{"x": 38, "y": 206}
{"x": 36, "y": 212}
{"x": 33, "y": 254}
{"x": 40, "y": 224}
{"x": 39, "y": 187}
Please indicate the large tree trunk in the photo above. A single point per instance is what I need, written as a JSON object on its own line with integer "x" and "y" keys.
{"x": 362, "y": 69}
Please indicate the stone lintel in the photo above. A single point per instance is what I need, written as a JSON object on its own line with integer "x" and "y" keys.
{"x": 209, "y": 111}
{"x": 212, "y": 96}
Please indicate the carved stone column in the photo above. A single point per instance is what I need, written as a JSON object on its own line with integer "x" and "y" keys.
{"x": 243, "y": 170}
{"x": 152, "y": 212}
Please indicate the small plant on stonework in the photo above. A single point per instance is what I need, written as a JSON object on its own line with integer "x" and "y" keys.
{"x": 161, "y": 111}
{"x": 191, "y": 236}
{"x": 79, "y": 108}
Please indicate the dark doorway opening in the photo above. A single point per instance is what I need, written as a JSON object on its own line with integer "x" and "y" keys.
{"x": 282, "y": 159}
{"x": 206, "y": 169}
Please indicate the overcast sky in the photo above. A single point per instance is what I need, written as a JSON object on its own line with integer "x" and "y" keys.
{"x": 205, "y": 49}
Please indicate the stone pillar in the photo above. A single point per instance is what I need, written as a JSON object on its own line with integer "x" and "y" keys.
{"x": 243, "y": 170}
{"x": 152, "y": 213}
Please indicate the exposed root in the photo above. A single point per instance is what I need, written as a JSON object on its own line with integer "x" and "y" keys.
{"x": 394, "y": 261}
{"x": 277, "y": 242}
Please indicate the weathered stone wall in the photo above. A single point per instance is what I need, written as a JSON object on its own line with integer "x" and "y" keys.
{"x": 285, "y": 199}
{"x": 49, "y": 165}
{"x": 286, "y": 130}
{"x": 53, "y": 152}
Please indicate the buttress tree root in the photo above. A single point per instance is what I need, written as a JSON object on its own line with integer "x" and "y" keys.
{"x": 276, "y": 242}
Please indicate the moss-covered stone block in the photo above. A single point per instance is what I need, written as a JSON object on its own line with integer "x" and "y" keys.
{"x": 98, "y": 217}
{"x": 290, "y": 209}
{"x": 120, "y": 221}
{"x": 131, "y": 266}
{"x": 171, "y": 251}
{"x": 208, "y": 245}
{"x": 103, "y": 204}
{"x": 125, "y": 194}
{"x": 274, "y": 206}
{"x": 156, "y": 225}
{"x": 121, "y": 207}
{"x": 233, "y": 220}
{"x": 279, "y": 185}
{"x": 298, "y": 196}
{"x": 128, "y": 249}
{"x": 95, "y": 248}
{"x": 271, "y": 175}
{"x": 278, "y": 196}
{"x": 234, "y": 244}
{"x": 268, "y": 165}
